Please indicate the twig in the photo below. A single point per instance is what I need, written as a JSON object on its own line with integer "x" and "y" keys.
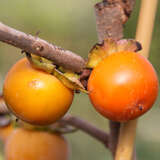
{"x": 113, "y": 136}
{"x": 40, "y": 47}
{"x": 111, "y": 16}
{"x": 87, "y": 128}
{"x": 66, "y": 120}
{"x": 146, "y": 24}
{"x": 126, "y": 140}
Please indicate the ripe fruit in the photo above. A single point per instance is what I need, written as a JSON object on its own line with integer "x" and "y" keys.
{"x": 123, "y": 86}
{"x": 5, "y": 132}
{"x": 35, "y": 96}
{"x": 35, "y": 145}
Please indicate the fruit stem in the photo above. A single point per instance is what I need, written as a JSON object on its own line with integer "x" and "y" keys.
{"x": 144, "y": 30}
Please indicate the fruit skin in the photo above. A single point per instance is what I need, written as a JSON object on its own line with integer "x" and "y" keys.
{"x": 35, "y": 96}
{"x": 123, "y": 86}
{"x": 5, "y": 132}
{"x": 36, "y": 145}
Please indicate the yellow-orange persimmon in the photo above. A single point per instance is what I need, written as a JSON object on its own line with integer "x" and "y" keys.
{"x": 34, "y": 95}
{"x": 35, "y": 145}
{"x": 123, "y": 86}
{"x": 5, "y": 132}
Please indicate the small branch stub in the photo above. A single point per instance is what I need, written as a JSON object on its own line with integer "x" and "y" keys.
{"x": 35, "y": 45}
{"x": 111, "y": 15}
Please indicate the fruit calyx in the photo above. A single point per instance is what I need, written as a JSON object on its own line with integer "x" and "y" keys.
{"x": 67, "y": 77}
{"x": 109, "y": 46}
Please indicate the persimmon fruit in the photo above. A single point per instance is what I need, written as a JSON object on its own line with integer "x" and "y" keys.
{"x": 123, "y": 86}
{"x": 35, "y": 96}
{"x": 26, "y": 144}
{"x": 5, "y": 132}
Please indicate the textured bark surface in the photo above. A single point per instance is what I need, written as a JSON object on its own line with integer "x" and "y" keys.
{"x": 111, "y": 16}
{"x": 40, "y": 47}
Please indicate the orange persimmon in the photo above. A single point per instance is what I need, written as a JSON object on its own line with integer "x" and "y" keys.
{"x": 35, "y": 96}
{"x": 123, "y": 86}
{"x": 5, "y": 132}
{"x": 26, "y": 144}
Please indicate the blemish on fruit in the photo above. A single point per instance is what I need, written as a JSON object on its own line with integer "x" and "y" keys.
{"x": 140, "y": 107}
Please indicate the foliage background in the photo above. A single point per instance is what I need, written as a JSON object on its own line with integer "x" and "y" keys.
{"x": 71, "y": 25}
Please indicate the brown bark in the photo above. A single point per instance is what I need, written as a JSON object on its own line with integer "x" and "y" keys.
{"x": 113, "y": 136}
{"x": 86, "y": 127}
{"x": 111, "y": 16}
{"x": 40, "y": 47}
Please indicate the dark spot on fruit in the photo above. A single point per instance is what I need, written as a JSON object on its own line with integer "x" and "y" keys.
{"x": 140, "y": 107}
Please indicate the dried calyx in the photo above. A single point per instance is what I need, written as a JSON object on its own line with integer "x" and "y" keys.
{"x": 108, "y": 47}
{"x": 67, "y": 77}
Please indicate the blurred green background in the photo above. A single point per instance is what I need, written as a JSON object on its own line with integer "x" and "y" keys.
{"x": 71, "y": 25}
